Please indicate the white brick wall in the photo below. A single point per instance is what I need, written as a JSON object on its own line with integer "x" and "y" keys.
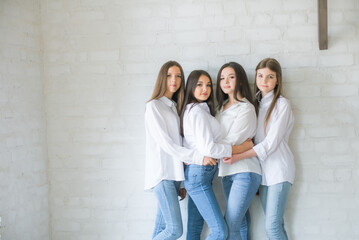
{"x": 100, "y": 61}
{"x": 24, "y": 209}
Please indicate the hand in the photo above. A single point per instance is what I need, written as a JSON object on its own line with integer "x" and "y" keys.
{"x": 182, "y": 193}
{"x": 228, "y": 160}
{"x": 209, "y": 161}
{"x": 248, "y": 144}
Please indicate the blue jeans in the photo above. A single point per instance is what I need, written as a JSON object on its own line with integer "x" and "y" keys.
{"x": 168, "y": 220}
{"x": 239, "y": 190}
{"x": 203, "y": 203}
{"x": 274, "y": 200}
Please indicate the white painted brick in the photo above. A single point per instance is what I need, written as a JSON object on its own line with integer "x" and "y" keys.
{"x": 336, "y": 60}
{"x": 214, "y": 8}
{"x": 87, "y": 161}
{"x": 343, "y": 175}
{"x": 340, "y": 90}
{"x": 326, "y": 175}
{"x": 341, "y": 5}
{"x": 104, "y": 56}
{"x": 189, "y": 10}
{"x": 324, "y": 132}
{"x": 298, "y": 61}
{"x": 292, "y": 5}
{"x": 233, "y": 49}
{"x": 188, "y": 23}
{"x": 199, "y": 51}
{"x": 263, "y": 34}
{"x": 305, "y": 32}
{"x": 215, "y": 36}
{"x": 190, "y": 37}
{"x": 162, "y": 11}
{"x": 263, "y": 19}
{"x": 263, "y": 6}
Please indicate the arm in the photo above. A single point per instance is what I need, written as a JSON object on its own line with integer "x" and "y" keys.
{"x": 204, "y": 137}
{"x": 242, "y": 129}
{"x": 155, "y": 124}
{"x": 281, "y": 121}
{"x": 237, "y": 157}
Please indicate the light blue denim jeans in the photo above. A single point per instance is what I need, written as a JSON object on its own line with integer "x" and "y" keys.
{"x": 168, "y": 220}
{"x": 198, "y": 184}
{"x": 274, "y": 200}
{"x": 239, "y": 190}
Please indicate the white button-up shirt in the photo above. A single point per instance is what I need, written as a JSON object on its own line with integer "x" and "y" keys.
{"x": 164, "y": 152}
{"x": 238, "y": 123}
{"x": 203, "y": 132}
{"x": 272, "y": 148}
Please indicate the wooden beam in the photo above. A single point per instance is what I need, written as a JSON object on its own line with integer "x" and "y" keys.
{"x": 323, "y": 24}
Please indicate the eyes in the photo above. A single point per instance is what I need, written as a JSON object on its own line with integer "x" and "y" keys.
{"x": 230, "y": 77}
{"x": 201, "y": 84}
{"x": 177, "y": 76}
{"x": 270, "y": 76}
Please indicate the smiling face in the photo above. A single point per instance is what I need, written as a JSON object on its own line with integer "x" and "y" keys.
{"x": 266, "y": 80}
{"x": 203, "y": 89}
{"x": 173, "y": 81}
{"x": 228, "y": 80}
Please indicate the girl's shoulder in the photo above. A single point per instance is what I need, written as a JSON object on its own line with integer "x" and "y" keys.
{"x": 283, "y": 101}
{"x": 153, "y": 104}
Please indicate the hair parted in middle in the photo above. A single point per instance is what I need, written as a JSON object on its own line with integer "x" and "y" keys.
{"x": 189, "y": 94}
{"x": 274, "y": 66}
{"x": 161, "y": 84}
{"x": 242, "y": 84}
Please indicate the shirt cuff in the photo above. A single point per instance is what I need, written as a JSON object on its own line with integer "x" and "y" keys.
{"x": 228, "y": 150}
{"x": 260, "y": 151}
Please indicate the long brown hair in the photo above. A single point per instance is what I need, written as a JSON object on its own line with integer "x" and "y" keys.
{"x": 274, "y": 66}
{"x": 189, "y": 94}
{"x": 161, "y": 85}
{"x": 242, "y": 85}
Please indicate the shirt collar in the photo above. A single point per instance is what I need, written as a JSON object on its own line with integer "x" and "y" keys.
{"x": 267, "y": 99}
{"x": 168, "y": 102}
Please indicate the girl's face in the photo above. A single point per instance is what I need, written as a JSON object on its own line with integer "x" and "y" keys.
{"x": 266, "y": 80}
{"x": 203, "y": 89}
{"x": 228, "y": 80}
{"x": 173, "y": 81}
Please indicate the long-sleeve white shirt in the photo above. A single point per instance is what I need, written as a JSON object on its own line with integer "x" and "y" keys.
{"x": 164, "y": 152}
{"x": 272, "y": 148}
{"x": 238, "y": 123}
{"x": 203, "y": 132}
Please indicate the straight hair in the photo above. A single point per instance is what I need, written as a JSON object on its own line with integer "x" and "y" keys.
{"x": 189, "y": 97}
{"x": 161, "y": 85}
{"x": 242, "y": 85}
{"x": 274, "y": 66}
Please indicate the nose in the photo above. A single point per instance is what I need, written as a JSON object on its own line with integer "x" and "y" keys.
{"x": 173, "y": 79}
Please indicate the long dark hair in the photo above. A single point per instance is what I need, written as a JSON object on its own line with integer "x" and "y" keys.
{"x": 189, "y": 94}
{"x": 242, "y": 85}
{"x": 161, "y": 85}
{"x": 274, "y": 66}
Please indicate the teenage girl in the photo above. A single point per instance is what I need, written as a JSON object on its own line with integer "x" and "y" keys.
{"x": 275, "y": 123}
{"x": 238, "y": 120}
{"x": 202, "y": 132}
{"x": 164, "y": 152}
